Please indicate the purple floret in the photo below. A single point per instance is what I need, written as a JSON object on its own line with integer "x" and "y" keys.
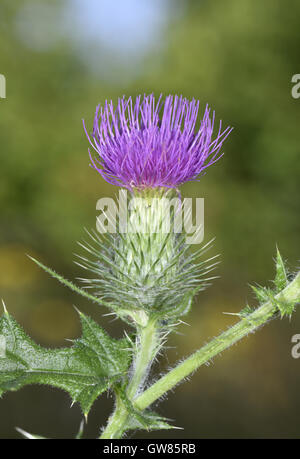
{"x": 150, "y": 143}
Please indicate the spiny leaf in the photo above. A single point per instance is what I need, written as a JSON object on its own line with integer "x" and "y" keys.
{"x": 286, "y": 308}
{"x": 281, "y": 280}
{"x": 261, "y": 293}
{"x": 85, "y": 370}
{"x": 149, "y": 421}
{"x": 143, "y": 420}
{"x": 264, "y": 294}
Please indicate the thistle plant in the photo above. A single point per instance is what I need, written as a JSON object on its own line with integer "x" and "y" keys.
{"x": 144, "y": 273}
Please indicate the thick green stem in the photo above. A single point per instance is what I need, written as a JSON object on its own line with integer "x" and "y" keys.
{"x": 147, "y": 346}
{"x": 116, "y": 422}
{"x": 146, "y": 349}
{"x": 291, "y": 294}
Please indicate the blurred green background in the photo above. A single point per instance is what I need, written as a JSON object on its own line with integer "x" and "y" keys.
{"x": 60, "y": 59}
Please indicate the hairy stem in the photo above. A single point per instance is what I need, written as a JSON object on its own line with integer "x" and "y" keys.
{"x": 291, "y": 294}
{"x": 146, "y": 349}
{"x": 116, "y": 423}
{"x": 147, "y": 345}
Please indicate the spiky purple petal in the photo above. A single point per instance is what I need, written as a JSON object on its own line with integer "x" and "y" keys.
{"x": 153, "y": 144}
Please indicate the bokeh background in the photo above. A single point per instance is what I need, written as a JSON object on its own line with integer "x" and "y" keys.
{"x": 60, "y": 59}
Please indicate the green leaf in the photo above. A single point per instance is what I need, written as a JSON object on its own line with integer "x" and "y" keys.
{"x": 281, "y": 280}
{"x": 148, "y": 421}
{"x": 286, "y": 308}
{"x": 85, "y": 370}
{"x": 261, "y": 293}
{"x": 142, "y": 420}
{"x": 264, "y": 294}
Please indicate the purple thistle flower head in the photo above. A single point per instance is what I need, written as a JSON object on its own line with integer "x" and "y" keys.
{"x": 150, "y": 143}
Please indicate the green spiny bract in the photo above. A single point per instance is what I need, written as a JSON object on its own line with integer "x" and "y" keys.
{"x": 264, "y": 294}
{"x": 149, "y": 269}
